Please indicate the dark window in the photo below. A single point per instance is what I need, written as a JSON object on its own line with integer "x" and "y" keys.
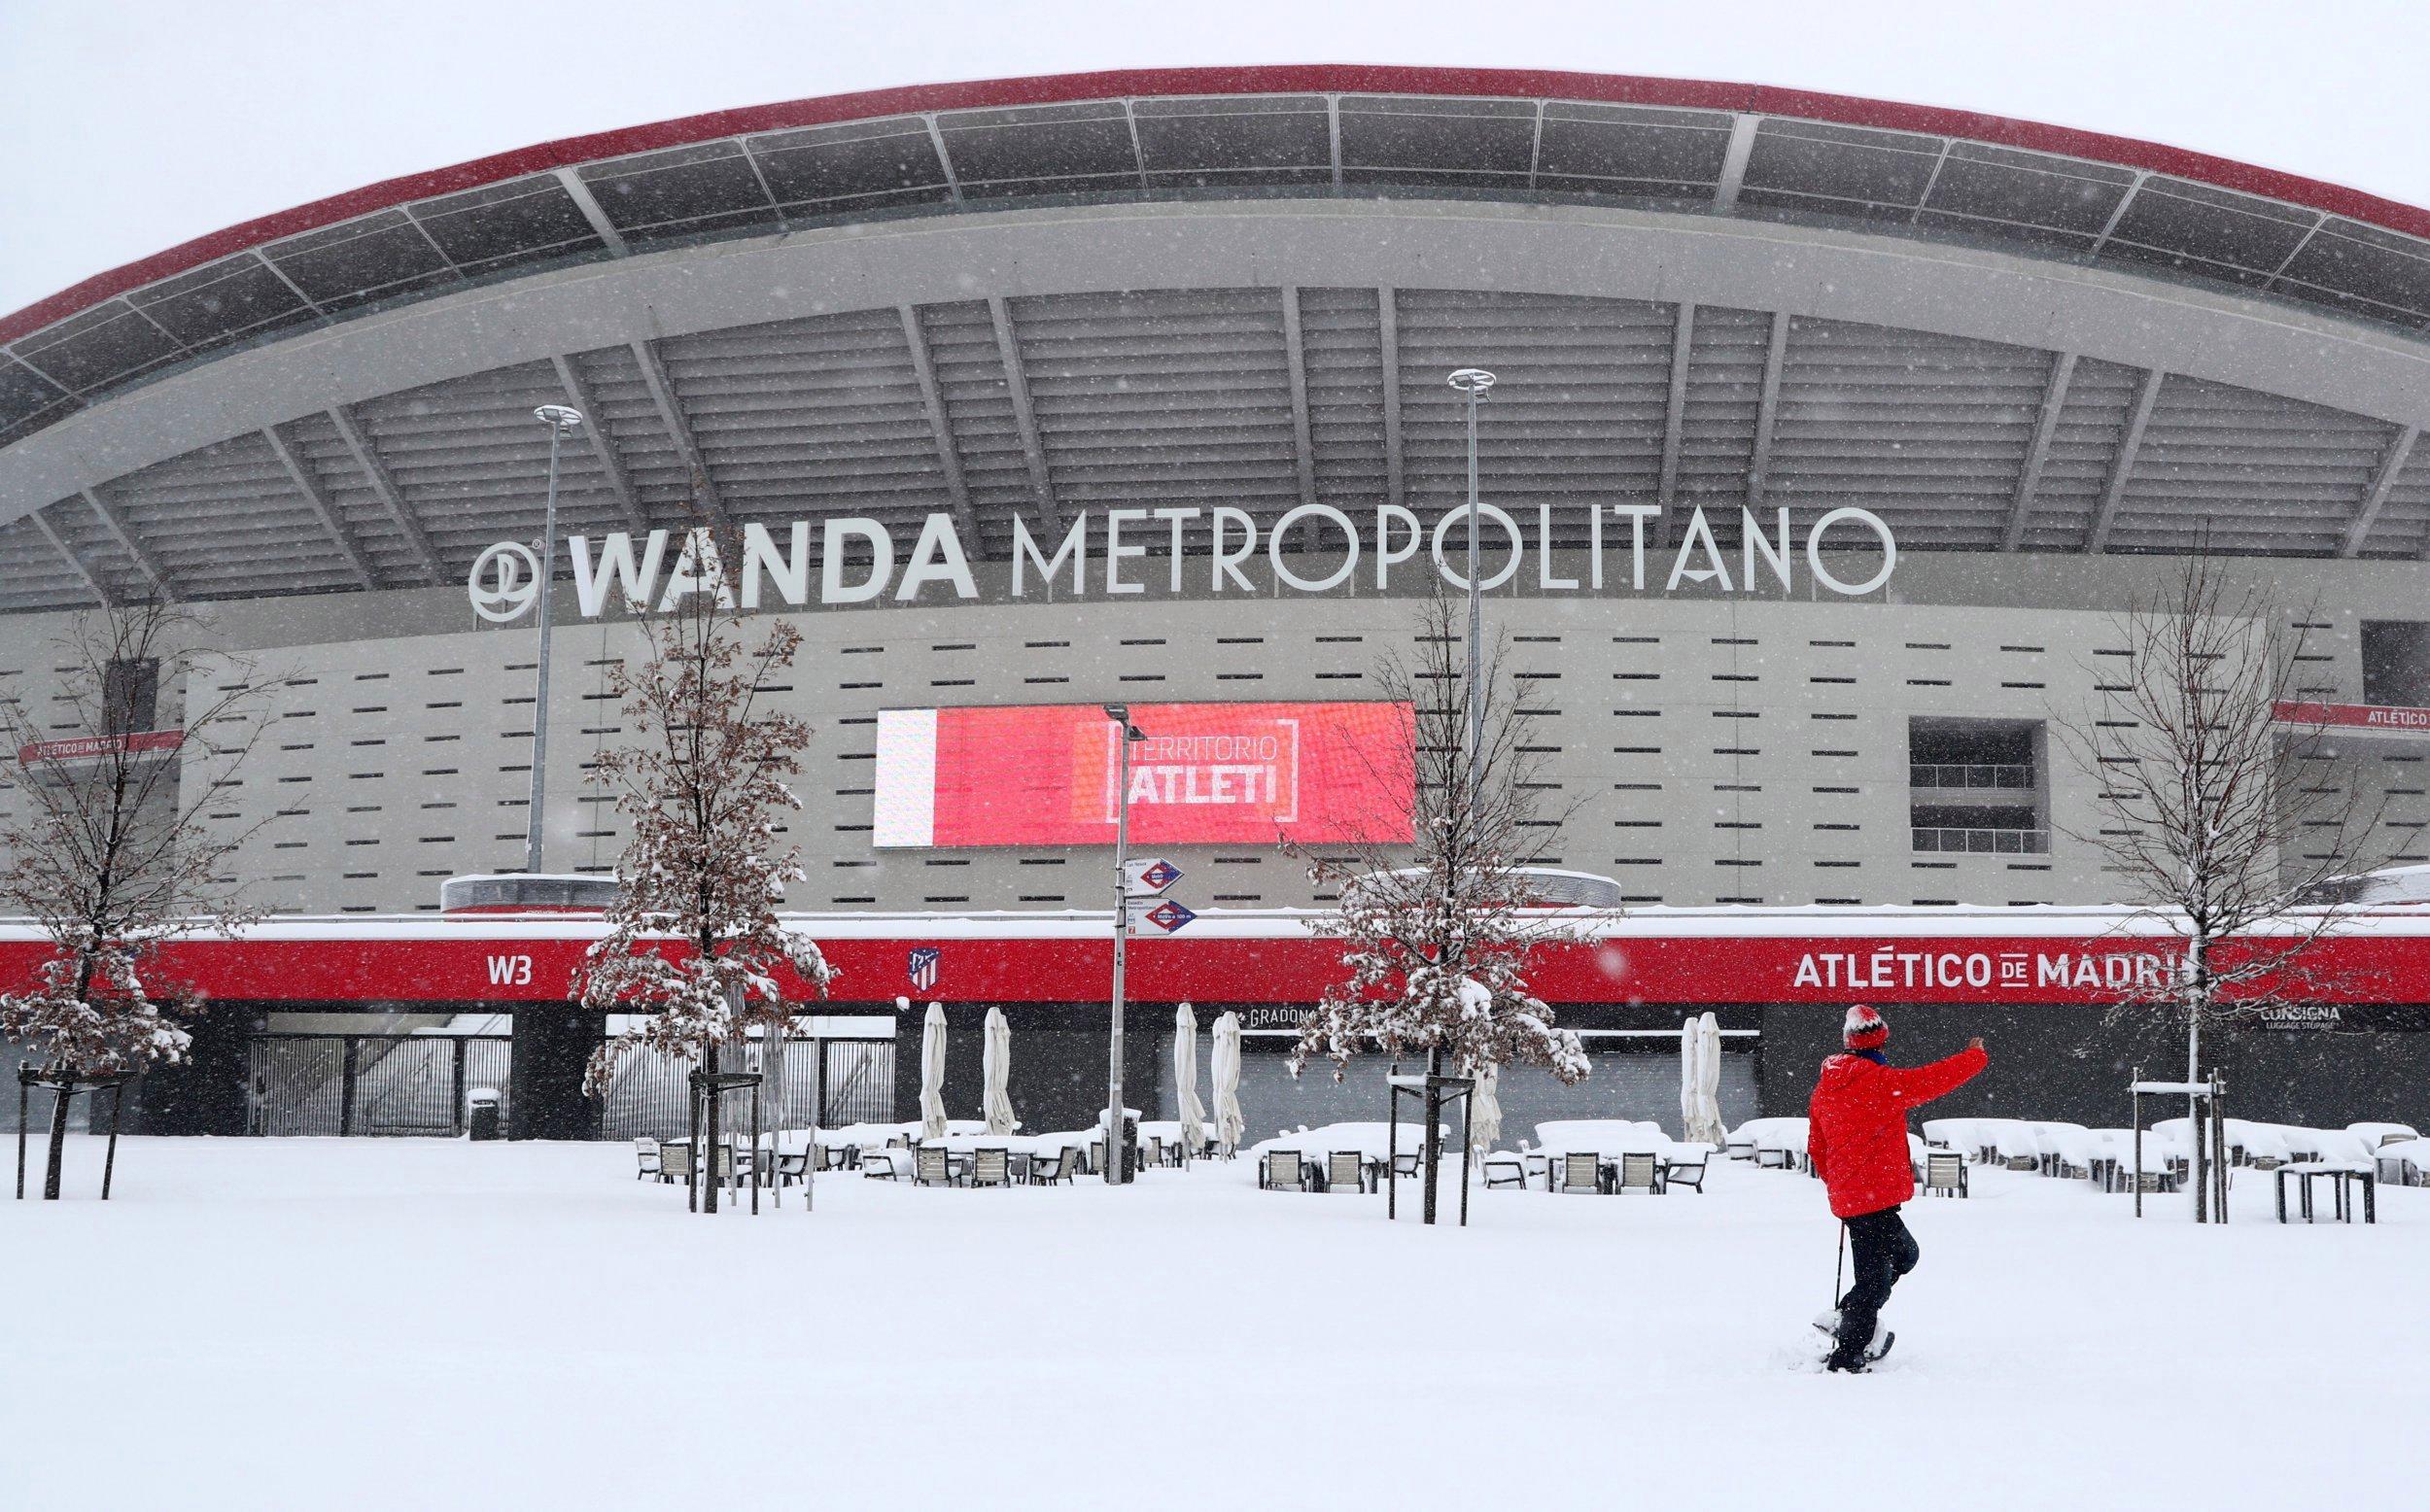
{"x": 130, "y": 693}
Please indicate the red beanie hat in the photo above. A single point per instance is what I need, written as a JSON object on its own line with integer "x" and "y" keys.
{"x": 1864, "y": 1029}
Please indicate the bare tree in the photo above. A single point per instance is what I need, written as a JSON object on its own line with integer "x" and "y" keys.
{"x": 1437, "y": 933}
{"x": 110, "y": 855}
{"x": 2204, "y": 808}
{"x": 693, "y": 936}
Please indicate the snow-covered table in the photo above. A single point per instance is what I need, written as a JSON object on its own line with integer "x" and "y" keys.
{"x": 2341, "y": 1178}
{"x": 1606, "y": 1141}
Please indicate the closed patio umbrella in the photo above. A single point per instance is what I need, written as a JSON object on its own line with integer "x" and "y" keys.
{"x": 1691, "y": 1079}
{"x": 1485, "y": 1113}
{"x": 1230, "y": 1126}
{"x": 997, "y": 1061}
{"x": 932, "y": 1074}
{"x": 1709, "y": 1074}
{"x": 1186, "y": 1079}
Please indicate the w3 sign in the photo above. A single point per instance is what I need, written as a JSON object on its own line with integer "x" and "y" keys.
{"x": 509, "y": 970}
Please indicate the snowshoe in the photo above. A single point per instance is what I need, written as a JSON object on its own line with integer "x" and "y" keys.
{"x": 1828, "y": 1324}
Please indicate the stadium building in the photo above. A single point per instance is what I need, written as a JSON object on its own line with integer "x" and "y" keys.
{"x": 1829, "y": 439}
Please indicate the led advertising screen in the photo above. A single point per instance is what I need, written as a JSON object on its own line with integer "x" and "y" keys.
{"x": 1206, "y": 774}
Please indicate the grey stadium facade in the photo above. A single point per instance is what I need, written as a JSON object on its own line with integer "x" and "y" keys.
{"x": 2043, "y": 361}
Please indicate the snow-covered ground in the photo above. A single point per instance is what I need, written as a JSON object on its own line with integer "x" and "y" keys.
{"x": 409, "y": 1324}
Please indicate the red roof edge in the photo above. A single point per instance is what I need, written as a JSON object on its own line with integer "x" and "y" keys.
{"x": 1286, "y": 78}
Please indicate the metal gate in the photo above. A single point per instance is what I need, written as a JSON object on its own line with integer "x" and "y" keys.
{"x": 415, "y": 1085}
{"x": 371, "y": 1084}
{"x": 846, "y": 1080}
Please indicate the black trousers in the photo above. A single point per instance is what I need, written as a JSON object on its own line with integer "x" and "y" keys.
{"x": 1883, "y": 1251}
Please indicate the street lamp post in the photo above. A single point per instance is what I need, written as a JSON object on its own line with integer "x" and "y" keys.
{"x": 1473, "y": 382}
{"x": 1117, "y": 1169}
{"x": 560, "y": 421}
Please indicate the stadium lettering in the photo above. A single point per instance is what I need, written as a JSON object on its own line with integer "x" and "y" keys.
{"x": 862, "y": 561}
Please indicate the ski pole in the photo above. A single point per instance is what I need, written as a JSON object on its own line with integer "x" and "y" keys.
{"x": 1839, "y": 1264}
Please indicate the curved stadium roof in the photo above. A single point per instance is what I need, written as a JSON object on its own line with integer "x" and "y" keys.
{"x": 1237, "y": 287}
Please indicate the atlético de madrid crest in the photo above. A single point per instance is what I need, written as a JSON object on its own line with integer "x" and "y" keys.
{"x": 922, "y": 967}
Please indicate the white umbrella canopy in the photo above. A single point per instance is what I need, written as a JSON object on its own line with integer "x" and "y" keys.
{"x": 996, "y": 1060}
{"x": 1230, "y": 1126}
{"x": 932, "y": 1073}
{"x": 1709, "y": 1073}
{"x": 1186, "y": 1079}
{"x": 1690, "y": 1078}
{"x": 1486, "y": 1114}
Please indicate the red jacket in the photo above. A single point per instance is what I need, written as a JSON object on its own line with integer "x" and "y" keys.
{"x": 1856, "y": 1125}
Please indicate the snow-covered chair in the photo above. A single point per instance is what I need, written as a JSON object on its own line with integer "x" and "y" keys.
{"x": 1505, "y": 1170}
{"x": 1279, "y": 1170}
{"x": 1685, "y": 1164}
{"x": 1957, "y": 1134}
{"x": 1637, "y": 1170}
{"x": 2068, "y": 1149}
{"x": 1779, "y": 1142}
{"x": 2383, "y": 1133}
{"x": 2261, "y": 1146}
{"x": 1944, "y": 1174}
{"x": 2404, "y": 1162}
{"x": 2014, "y": 1143}
{"x": 1579, "y": 1172}
{"x": 2113, "y": 1158}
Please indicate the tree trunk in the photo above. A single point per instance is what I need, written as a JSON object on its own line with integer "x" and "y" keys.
{"x": 1434, "y": 1119}
{"x": 2198, "y": 993}
{"x": 708, "y": 1145}
{"x": 64, "y": 1095}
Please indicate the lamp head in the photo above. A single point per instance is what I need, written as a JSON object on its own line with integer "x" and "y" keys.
{"x": 1119, "y": 713}
{"x": 559, "y": 417}
{"x": 1472, "y": 380}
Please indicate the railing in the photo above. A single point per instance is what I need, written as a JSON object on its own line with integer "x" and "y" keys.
{"x": 370, "y": 1084}
{"x": 2012, "y": 775}
{"x": 1983, "y": 841}
{"x": 845, "y": 1080}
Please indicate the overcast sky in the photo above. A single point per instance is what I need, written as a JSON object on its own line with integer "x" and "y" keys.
{"x": 130, "y": 125}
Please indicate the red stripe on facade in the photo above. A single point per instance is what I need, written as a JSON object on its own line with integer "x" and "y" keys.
{"x": 1682, "y": 971}
{"x": 1311, "y": 78}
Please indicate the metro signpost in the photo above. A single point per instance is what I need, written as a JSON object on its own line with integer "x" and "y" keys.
{"x": 1117, "y": 1167}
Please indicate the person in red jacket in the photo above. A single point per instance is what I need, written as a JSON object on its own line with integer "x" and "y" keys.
{"x": 1857, "y": 1137}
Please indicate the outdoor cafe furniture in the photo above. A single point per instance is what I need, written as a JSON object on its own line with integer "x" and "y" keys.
{"x": 1579, "y": 1171}
{"x": 2342, "y": 1177}
{"x": 1944, "y": 1174}
{"x": 1279, "y": 1169}
{"x": 651, "y": 1159}
{"x": 1505, "y": 1170}
{"x": 1685, "y": 1165}
{"x": 1636, "y": 1171}
{"x": 1345, "y": 1168}
{"x": 887, "y": 1164}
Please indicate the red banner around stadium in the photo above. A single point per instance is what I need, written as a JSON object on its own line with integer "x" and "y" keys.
{"x": 443, "y": 962}
{"x": 92, "y": 748}
{"x": 2355, "y": 718}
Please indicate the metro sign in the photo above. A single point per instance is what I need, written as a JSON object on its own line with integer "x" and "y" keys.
{"x": 1152, "y": 876}
{"x": 1169, "y": 915}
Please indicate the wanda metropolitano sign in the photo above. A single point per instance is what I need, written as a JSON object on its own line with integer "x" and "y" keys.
{"x": 1102, "y": 553}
